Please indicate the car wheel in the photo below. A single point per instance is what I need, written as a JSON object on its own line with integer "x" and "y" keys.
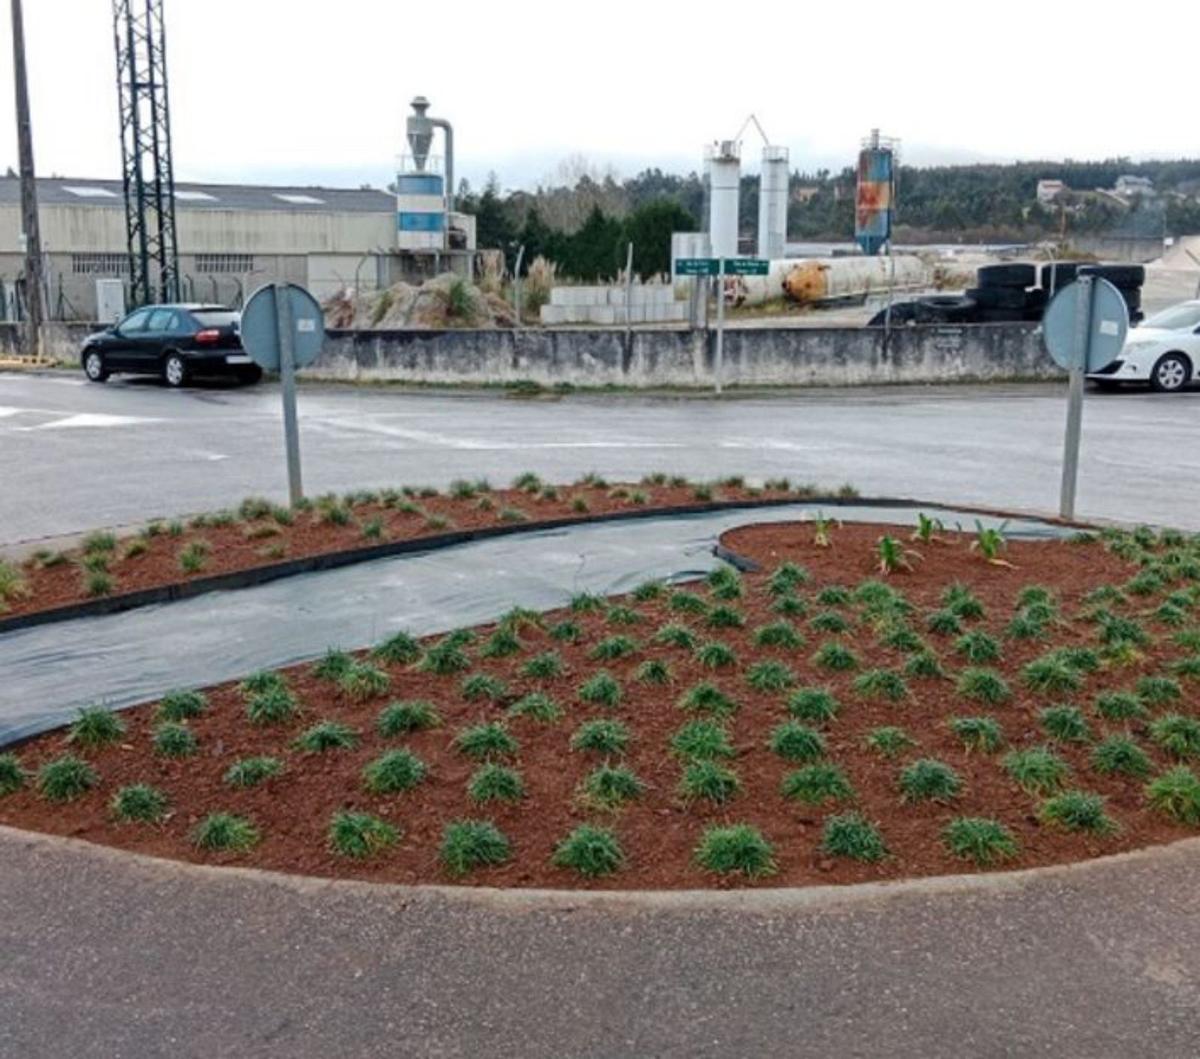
{"x": 94, "y": 367}
{"x": 174, "y": 370}
{"x": 249, "y": 376}
{"x": 1171, "y": 373}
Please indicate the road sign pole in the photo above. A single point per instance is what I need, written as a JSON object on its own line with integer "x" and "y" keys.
{"x": 720, "y": 321}
{"x": 287, "y": 375}
{"x": 1083, "y": 340}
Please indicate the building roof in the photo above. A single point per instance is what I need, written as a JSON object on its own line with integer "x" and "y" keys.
{"x": 69, "y": 191}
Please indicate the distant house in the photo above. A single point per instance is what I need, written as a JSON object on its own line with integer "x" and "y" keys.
{"x": 804, "y": 193}
{"x": 1128, "y": 186}
{"x": 1049, "y": 190}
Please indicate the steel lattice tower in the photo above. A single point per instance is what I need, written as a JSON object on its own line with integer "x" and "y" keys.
{"x": 147, "y": 170}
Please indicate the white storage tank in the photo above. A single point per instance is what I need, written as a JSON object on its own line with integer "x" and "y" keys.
{"x": 773, "y": 203}
{"x": 724, "y": 183}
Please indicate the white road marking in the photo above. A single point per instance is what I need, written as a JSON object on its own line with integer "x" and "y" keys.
{"x": 94, "y": 419}
{"x": 427, "y": 437}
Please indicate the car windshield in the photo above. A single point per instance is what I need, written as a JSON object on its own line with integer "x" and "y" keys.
{"x": 215, "y": 317}
{"x": 1177, "y": 318}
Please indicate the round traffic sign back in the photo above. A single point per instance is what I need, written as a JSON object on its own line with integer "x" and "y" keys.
{"x": 1101, "y": 320}
{"x": 260, "y": 325}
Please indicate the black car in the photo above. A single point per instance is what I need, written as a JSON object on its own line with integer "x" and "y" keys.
{"x": 175, "y": 342}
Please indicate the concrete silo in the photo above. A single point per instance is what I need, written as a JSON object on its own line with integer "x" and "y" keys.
{"x": 773, "y": 203}
{"x": 724, "y": 181}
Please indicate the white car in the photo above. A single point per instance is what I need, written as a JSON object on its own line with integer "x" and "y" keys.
{"x": 1163, "y": 351}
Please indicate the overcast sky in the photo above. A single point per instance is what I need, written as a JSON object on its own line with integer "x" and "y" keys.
{"x": 299, "y": 91}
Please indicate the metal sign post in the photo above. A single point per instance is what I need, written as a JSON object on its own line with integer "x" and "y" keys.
{"x": 1079, "y": 359}
{"x": 720, "y": 359}
{"x": 287, "y": 375}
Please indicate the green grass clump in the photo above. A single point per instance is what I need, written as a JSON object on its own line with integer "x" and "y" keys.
{"x": 836, "y": 657}
{"x": 1158, "y": 691}
{"x": 851, "y": 835}
{"x": 927, "y": 780}
{"x": 984, "y": 685}
{"x": 483, "y": 686}
{"x": 702, "y": 741}
{"x": 401, "y": 718}
{"x": 98, "y": 583}
{"x": 789, "y": 607}
{"x": 649, "y": 590}
{"x": 586, "y": 603}
{"x": 770, "y": 676}
{"x": 962, "y": 602}
{"x": 944, "y": 623}
{"x": 687, "y": 603}
{"x": 613, "y": 648}
{"x": 978, "y": 647}
{"x": 274, "y": 705}
{"x": 470, "y": 844}
{"x": 980, "y": 840}
{"x": 829, "y": 621}
{"x": 601, "y": 689}
{"x": 487, "y": 740}
{"x": 675, "y": 635}
{"x": 251, "y": 771}
{"x": 446, "y": 657}
{"x": 326, "y": 735}
{"x": 653, "y": 671}
{"x": 1118, "y": 754}
{"x": 496, "y": 783}
{"x": 99, "y": 542}
{"x": 889, "y": 740}
{"x": 710, "y": 780}
{"x": 1077, "y": 811}
{"x": 95, "y": 727}
{"x": 194, "y": 557}
{"x": 502, "y": 643}
{"x": 924, "y": 665}
{"x": 589, "y": 850}
{"x": 1116, "y": 630}
{"x": 778, "y": 634}
{"x": 816, "y": 705}
{"x": 1120, "y": 706}
{"x": 902, "y": 638}
{"x": 786, "y": 578}
{"x": 834, "y": 596}
{"x": 225, "y": 833}
{"x": 333, "y": 665}
{"x": 707, "y": 698}
{"x": 796, "y": 742}
{"x": 1176, "y": 793}
{"x": 725, "y": 584}
{"x": 724, "y": 617}
{"x": 1145, "y": 583}
{"x": 1188, "y": 668}
{"x": 978, "y": 733}
{"x": 138, "y": 803}
{"x": 181, "y": 705}
{"x": 736, "y": 849}
{"x": 360, "y": 835}
{"x": 12, "y": 775}
{"x": 1052, "y": 674}
{"x": 66, "y": 778}
{"x": 537, "y": 706}
{"x": 1171, "y": 614}
{"x": 173, "y": 739}
{"x": 601, "y": 736}
{"x": 565, "y": 632}
{"x": 1065, "y": 724}
{"x": 611, "y": 786}
{"x": 1037, "y": 770}
{"x": 397, "y": 649}
{"x": 814, "y": 784}
{"x": 363, "y": 681}
{"x": 1178, "y": 735}
{"x": 1025, "y": 627}
{"x": 881, "y": 684}
{"x": 622, "y": 616}
{"x": 393, "y": 772}
{"x": 716, "y": 655}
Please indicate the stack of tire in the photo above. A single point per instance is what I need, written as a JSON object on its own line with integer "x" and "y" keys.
{"x": 1128, "y": 279}
{"x": 1007, "y": 294}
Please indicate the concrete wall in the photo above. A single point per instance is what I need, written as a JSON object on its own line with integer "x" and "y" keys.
{"x": 62, "y": 341}
{"x": 682, "y": 358}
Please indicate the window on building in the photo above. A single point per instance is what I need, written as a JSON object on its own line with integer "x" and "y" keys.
{"x": 100, "y": 264}
{"x": 206, "y": 263}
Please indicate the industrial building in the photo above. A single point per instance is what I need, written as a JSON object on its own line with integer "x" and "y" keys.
{"x": 231, "y": 237}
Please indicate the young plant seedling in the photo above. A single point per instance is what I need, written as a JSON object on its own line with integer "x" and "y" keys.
{"x": 1176, "y": 793}
{"x": 139, "y": 803}
{"x": 851, "y": 835}
{"x": 393, "y": 772}
{"x": 470, "y": 844}
{"x": 251, "y": 771}
{"x": 983, "y": 841}
{"x": 927, "y": 780}
{"x": 359, "y": 836}
{"x": 611, "y": 786}
{"x": 817, "y": 783}
{"x": 927, "y": 529}
{"x": 709, "y": 780}
{"x": 990, "y": 543}
{"x": 893, "y": 556}
{"x": 601, "y": 736}
{"x": 736, "y": 849}
{"x": 225, "y": 833}
{"x": 1078, "y": 811}
{"x": 496, "y": 783}
{"x": 589, "y": 850}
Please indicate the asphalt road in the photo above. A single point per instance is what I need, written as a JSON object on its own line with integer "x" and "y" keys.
{"x": 76, "y": 456}
{"x": 114, "y": 956}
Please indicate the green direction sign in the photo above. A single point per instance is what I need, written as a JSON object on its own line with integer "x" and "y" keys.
{"x": 696, "y": 266}
{"x": 746, "y": 266}
{"x": 710, "y": 266}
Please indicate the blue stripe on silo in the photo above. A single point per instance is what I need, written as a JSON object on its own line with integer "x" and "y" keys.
{"x": 419, "y": 184}
{"x": 420, "y": 222}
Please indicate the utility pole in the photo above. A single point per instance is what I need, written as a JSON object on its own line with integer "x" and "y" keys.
{"x": 29, "y": 210}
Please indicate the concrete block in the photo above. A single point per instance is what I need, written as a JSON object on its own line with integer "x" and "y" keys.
{"x": 601, "y": 314}
{"x": 552, "y": 315}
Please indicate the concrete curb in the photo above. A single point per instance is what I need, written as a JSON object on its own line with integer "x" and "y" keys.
{"x": 750, "y": 901}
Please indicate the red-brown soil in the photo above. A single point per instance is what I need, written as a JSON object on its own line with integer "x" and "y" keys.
{"x": 659, "y": 831}
{"x": 235, "y": 543}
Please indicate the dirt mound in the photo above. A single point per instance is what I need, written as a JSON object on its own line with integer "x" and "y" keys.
{"x": 445, "y": 301}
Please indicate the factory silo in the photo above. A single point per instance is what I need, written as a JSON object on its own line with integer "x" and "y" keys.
{"x": 724, "y": 181}
{"x": 773, "y": 203}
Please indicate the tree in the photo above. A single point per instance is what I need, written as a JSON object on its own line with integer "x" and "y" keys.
{"x": 649, "y": 228}
{"x": 594, "y": 252}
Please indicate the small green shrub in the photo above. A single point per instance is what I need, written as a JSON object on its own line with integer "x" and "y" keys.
{"x": 1037, "y": 770}
{"x": 687, "y": 603}
{"x": 1120, "y": 706}
{"x": 601, "y": 689}
{"x": 98, "y": 583}
{"x": 707, "y": 698}
{"x": 725, "y": 583}
{"x": 225, "y": 833}
{"x": 1065, "y": 724}
{"x": 360, "y": 835}
{"x": 401, "y": 718}
{"x": 397, "y": 649}
{"x": 614, "y": 647}
{"x": 834, "y": 596}
{"x": 836, "y": 657}
{"x": 527, "y": 482}
{"x": 789, "y": 607}
{"x": 978, "y": 733}
{"x": 770, "y": 676}
{"x": 1077, "y": 811}
{"x": 394, "y": 771}
{"x": 977, "y": 647}
{"x": 496, "y": 783}
{"x": 961, "y": 602}
{"x": 724, "y": 617}
{"x": 12, "y": 775}
{"x": 1176, "y": 793}
{"x": 194, "y": 557}
{"x": 710, "y": 780}
{"x": 251, "y": 771}
{"x": 786, "y": 578}
{"x": 66, "y": 778}
{"x": 483, "y": 687}
{"x": 796, "y": 742}
{"x": 586, "y": 603}
{"x": 99, "y": 542}
{"x": 899, "y": 636}
{"x": 333, "y": 665}
{"x": 138, "y": 803}
{"x": 275, "y": 705}
{"x": 653, "y": 671}
{"x": 537, "y": 706}
{"x": 470, "y": 844}
{"x": 889, "y": 740}
{"x": 829, "y": 621}
{"x": 675, "y": 635}
{"x": 1024, "y": 627}
{"x": 814, "y": 704}
{"x": 924, "y": 665}
{"x": 566, "y": 632}
{"x": 611, "y": 786}
{"x": 881, "y": 684}
{"x": 589, "y": 850}
{"x": 502, "y": 643}
{"x": 445, "y": 657}
{"x": 927, "y": 780}
{"x": 181, "y": 705}
{"x": 736, "y": 849}
{"x": 984, "y": 685}
{"x": 1178, "y": 735}
{"x": 702, "y": 741}
{"x": 817, "y": 783}
{"x": 1158, "y": 691}
{"x": 363, "y": 681}
{"x": 778, "y": 634}
{"x": 983, "y": 841}
{"x": 96, "y": 727}
{"x": 1120, "y": 755}
{"x": 619, "y": 615}
{"x": 326, "y": 735}
{"x": 173, "y": 739}
{"x": 944, "y": 623}
{"x": 602, "y": 736}
{"x": 851, "y": 835}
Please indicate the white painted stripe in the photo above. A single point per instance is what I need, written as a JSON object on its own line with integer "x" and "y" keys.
{"x": 94, "y": 419}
